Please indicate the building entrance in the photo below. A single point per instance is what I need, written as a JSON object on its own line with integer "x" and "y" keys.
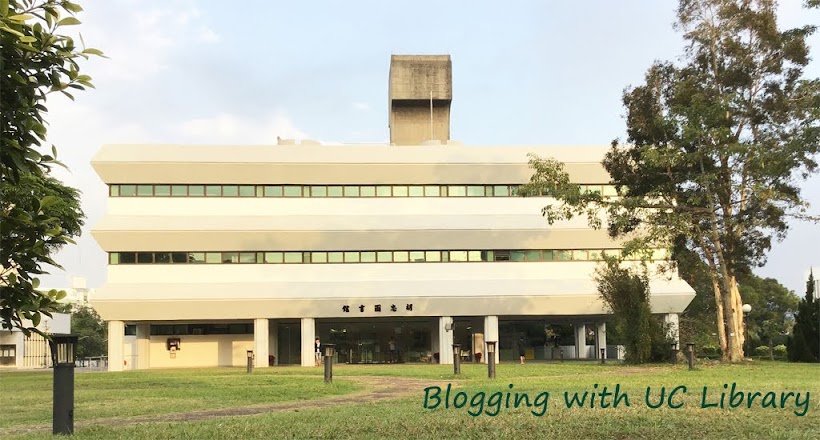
{"x": 378, "y": 340}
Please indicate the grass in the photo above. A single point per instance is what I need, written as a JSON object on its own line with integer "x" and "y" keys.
{"x": 407, "y": 418}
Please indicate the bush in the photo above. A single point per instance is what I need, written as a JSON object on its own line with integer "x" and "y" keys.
{"x": 762, "y": 351}
{"x": 710, "y": 351}
{"x": 780, "y": 351}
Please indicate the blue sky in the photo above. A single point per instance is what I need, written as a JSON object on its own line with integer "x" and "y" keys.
{"x": 547, "y": 72}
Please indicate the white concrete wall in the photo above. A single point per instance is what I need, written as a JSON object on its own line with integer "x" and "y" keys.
{"x": 202, "y": 351}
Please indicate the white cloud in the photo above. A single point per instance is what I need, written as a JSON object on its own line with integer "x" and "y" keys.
{"x": 362, "y": 106}
{"x": 229, "y": 128}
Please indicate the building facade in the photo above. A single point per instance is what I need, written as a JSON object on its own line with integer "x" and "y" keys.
{"x": 27, "y": 352}
{"x": 392, "y": 252}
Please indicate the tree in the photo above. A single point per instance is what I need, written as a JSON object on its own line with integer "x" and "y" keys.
{"x": 35, "y": 61}
{"x": 626, "y": 293}
{"x": 803, "y": 345}
{"x": 717, "y": 147}
{"x": 92, "y": 332}
{"x": 772, "y": 307}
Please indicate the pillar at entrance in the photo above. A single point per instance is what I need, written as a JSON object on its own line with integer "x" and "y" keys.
{"x": 580, "y": 341}
{"x": 308, "y": 340}
{"x": 671, "y": 320}
{"x": 273, "y": 341}
{"x": 445, "y": 339}
{"x": 491, "y": 334}
{"x": 143, "y": 346}
{"x": 260, "y": 342}
{"x": 116, "y": 341}
{"x": 600, "y": 339}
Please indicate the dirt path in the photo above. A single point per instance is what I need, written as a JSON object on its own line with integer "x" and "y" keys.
{"x": 377, "y": 388}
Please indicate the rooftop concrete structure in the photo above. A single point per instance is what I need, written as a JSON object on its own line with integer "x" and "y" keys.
{"x": 420, "y": 93}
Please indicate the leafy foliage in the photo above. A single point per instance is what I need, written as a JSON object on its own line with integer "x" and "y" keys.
{"x": 35, "y": 60}
{"x": 92, "y": 332}
{"x": 805, "y": 341}
{"x": 717, "y": 148}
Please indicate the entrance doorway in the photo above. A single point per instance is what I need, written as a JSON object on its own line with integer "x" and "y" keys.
{"x": 379, "y": 340}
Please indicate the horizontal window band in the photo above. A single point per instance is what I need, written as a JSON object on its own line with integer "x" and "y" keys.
{"x": 372, "y": 256}
{"x": 328, "y": 191}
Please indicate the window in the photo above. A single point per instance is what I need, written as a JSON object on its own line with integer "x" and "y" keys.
{"x": 475, "y": 256}
{"x": 318, "y": 257}
{"x": 179, "y": 257}
{"x": 417, "y": 256}
{"x": 432, "y": 191}
{"x": 274, "y": 257}
{"x": 518, "y": 256}
{"x": 502, "y": 255}
{"x": 293, "y": 257}
{"x": 416, "y": 191}
{"x": 130, "y": 330}
{"x": 475, "y": 191}
{"x": 273, "y": 191}
{"x": 114, "y": 258}
{"x": 230, "y": 257}
{"x": 318, "y": 191}
{"x": 383, "y": 191}
{"x": 213, "y": 190}
{"x": 562, "y": 255}
{"x": 609, "y": 191}
{"x": 351, "y": 191}
{"x": 456, "y": 191}
{"x": 114, "y": 190}
{"x": 196, "y": 190}
{"x": 533, "y": 255}
{"x": 500, "y": 191}
{"x": 400, "y": 191}
{"x": 162, "y": 257}
{"x": 458, "y": 256}
{"x": 351, "y": 257}
{"x": 247, "y": 257}
{"x": 196, "y": 257}
{"x": 580, "y": 255}
{"x": 335, "y": 257}
{"x": 145, "y": 190}
{"x": 179, "y": 190}
{"x": 368, "y": 191}
{"x": 334, "y": 191}
{"x": 433, "y": 256}
{"x": 145, "y": 257}
{"x": 128, "y": 190}
{"x": 162, "y": 190}
{"x": 384, "y": 257}
{"x": 401, "y": 256}
{"x": 230, "y": 191}
{"x": 247, "y": 191}
{"x": 368, "y": 257}
{"x": 293, "y": 191}
{"x": 213, "y": 257}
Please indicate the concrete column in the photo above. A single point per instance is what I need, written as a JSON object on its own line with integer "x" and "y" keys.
{"x": 260, "y": 342}
{"x": 491, "y": 334}
{"x": 600, "y": 339}
{"x": 671, "y": 320}
{"x": 308, "y": 340}
{"x": 580, "y": 341}
{"x": 143, "y": 346}
{"x": 445, "y": 340}
{"x": 116, "y": 342}
{"x": 273, "y": 340}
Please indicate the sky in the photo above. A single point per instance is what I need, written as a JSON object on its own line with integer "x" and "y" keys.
{"x": 215, "y": 72}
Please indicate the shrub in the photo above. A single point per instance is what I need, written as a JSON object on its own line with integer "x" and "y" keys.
{"x": 762, "y": 351}
{"x": 780, "y": 351}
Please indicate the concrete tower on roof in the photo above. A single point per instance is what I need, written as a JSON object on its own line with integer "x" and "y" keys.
{"x": 420, "y": 93}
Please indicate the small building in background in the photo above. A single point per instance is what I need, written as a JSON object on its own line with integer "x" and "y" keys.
{"x": 20, "y": 351}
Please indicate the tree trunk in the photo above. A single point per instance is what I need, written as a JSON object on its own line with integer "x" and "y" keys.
{"x": 734, "y": 321}
{"x": 721, "y": 322}
{"x": 771, "y": 349}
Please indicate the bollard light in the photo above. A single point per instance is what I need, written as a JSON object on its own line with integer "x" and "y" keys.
{"x": 603, "y": 356}
{"x": 329, "y": 352}
{"x": 674, "y": 347}
{"x": 63, "y": 355}
{"x": 456, "y": 358}
{"x": 250, "y": 361}
{"x": 690, "y": 353}
{"x": 491, "y": 359}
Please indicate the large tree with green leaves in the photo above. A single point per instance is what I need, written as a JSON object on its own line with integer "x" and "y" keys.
{"x": 36, "y": 59}
{"x": 717, "y": 145}
{"x": 804, "y": 343}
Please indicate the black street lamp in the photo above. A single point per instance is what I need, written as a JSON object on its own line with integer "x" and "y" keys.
{"x": 491, "y": 359}
{"x": 250, "y": 361}
{"x": 674, "y": 352}
{"x": 63, "y": 356}
{"x": 456, "y": 358}
{"x": 329, "y": 351}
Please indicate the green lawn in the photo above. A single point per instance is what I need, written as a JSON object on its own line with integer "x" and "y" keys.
{"x": 406, "y": 417}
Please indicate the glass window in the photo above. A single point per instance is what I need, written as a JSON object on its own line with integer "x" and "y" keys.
{"x": 548, "y": 256}
{"x": 230, "y": 191}
{"x": 114, "y": 258}
{"x": 318, "y": 257}
{"x": 400, "y": 191}
{"x": 595, "y": 255}
{"x": 179, "y": 257}
{"x": 162, "y": 190}
{"x": 514, "y": 190}
{"x": 273, "y": 191}
{"x": 145, "y": 190}
{"x": 335, "y": 257}
{"x": 533, "y": 255}
{"x": 274, "y": 257}
{"x": 612, "y": 253}
{"x": 500, "y": 191}
{"x": 230, "y": 257}
{"x": 475, "y": 256}
{"x": 196, "y": 190}
{"x": 609, "y": 191}
{"x": 351, "y": 257}
{"x": 416, "y": 191}
{"x": 260, "y": 257}
{"x": 260, "y": 191}
{"x": 475, "y": 191}
{"x": 383, "y": 191}
{"x": 417, "y": 256}
{"x": 456, "y": 191}
{"x": 114, "y": 190}
{"x": 458, "y": 256}
{"x": 213, "y": 257}
{"x": 162, "y": 257}
{"x": 179, "y": 190}
{"x": 351, "y": 191}
{"x": 384, "y": 257}
{"x": 595, "y": 189}
{"x": 445, "y": 256}
{"x": 659, "y": 254}
{"x": 128, "y": 190}
{"x": 293, "y": 257}
{"x": 368, "y": 257}
{"x": 145, "y": 257}
{"x": 401, "y": 256}
{"x": 502, "y": 255}
{"x": 432, "y": 191}
{"x": 318, "y": 191}
{"x": 247, "y": 191}
{"x": 580, "y": 255}
{"x": 128, "y": 258}
{"x": 368, "y": 191}
{"x": 196, "y": 257}
{"x": 213, "y": 190}
{"x": 518, "y": 255}
{"x": 487, "y": 255}
{"x": 293, "y": 191}
{"x": 334, "y": 191}
{"x": 562, "y": 255}
{"x": 434, "y": 256}
{"x": 247, "y": 257}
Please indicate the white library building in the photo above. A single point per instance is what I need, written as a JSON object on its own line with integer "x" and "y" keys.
{"x": 391, "y": 252}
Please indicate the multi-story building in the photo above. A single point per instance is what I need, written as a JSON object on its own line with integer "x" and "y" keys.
{"x": 20, "y": 351}
{"x": 393, "y": 252}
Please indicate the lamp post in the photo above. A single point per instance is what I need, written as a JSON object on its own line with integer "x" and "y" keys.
{"x": 63, "y": 355}
{"x": 250, "y": 361}
{"x": 690, "y": 353}
{"x": 491, "y": 359}
{"x": 456, "y": 358}
{"x": 674, "y": 352}
{"x": 329, "y": 350}
{"x": 747, "y": 308}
